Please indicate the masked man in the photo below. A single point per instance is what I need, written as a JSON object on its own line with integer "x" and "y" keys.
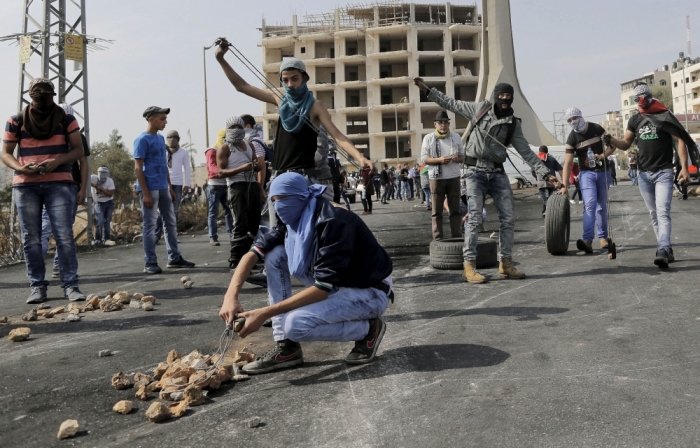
{"x": 333, "y": 253}
{"x": 655, "y": 129}
{"x": 49, "y": 142}
{"x": 495, "y": 128}
{"x": 103, "y": 198}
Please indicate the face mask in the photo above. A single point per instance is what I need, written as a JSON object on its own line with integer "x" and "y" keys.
{"x": 289, "y": 211}
{"x": 298, "y": 93}
{"x": 234, "y": 136}
{"x": 101, "y": 175}
{"x": 643, "y": 101}
{"x": 41, "y": 100}
{"x": 578, "y": 125}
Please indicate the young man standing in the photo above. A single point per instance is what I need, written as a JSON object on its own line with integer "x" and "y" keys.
{"x": 442, "y": 151}
{"x": 300, "y": 117}
{"x": 254, "y": 138}
{"x": 103, "y": 198}
{"x": 216, "y": 192}
{"x": 238, "y": 164}
{"x": 484, "y": 156}
{"x": 347, "y": 276}
{"x": 655, "y": 129}
{"x": 49, "y": 142}
{"x": 178, "y": 163}
{"x": 156, "y": 192}
{"x": 586, "y": 142}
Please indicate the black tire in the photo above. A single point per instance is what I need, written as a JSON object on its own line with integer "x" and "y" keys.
{"x": 557, "y": 224}
{"x": 448, "y": 253}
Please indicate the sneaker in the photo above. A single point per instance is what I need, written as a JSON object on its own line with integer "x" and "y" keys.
{"x": 365, "y": 350}
{"x": 180, "y": 263}
{"x": 214, "y": 242}
{"x": 267, "y": 323}
{"x": 56, "y": 273}
{"x": 259, "y": 279}
{"x": 661, "y": 259}
{"x": 38, "y": 295}
{"x": 152, "y": 269}
{"x": 73, "y": 294}
{"x": 584, "y": 246}
{"x": 572, "y": 201}
{"x": 579, "y": 202}
{"x": 366, "y": 213}
{"x": 283, "y": 355}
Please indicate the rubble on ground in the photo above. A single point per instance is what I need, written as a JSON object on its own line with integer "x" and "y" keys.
{"x": 157, "y": 412}
{"x": 122, "y": 381}
{"x": 3, "y": 320}
{"x": 31, "y": 316}
{"x": 19, "y": 334}
{"x": 252, "y": 422}
{"x": 103, "y": 353}
{"x": 123, "y": 406}
{"x": 69, "y": 428}
{"x": 188, "y": 285}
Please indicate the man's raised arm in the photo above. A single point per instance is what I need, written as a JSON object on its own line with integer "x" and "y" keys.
{"x": 239, "y": 83}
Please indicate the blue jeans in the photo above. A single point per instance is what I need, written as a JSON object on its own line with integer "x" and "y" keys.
{"x": 427, "y": 195}
{"x": 176, "y": 206}
{"x": 342, "y": 317}
{"x": 59, "y": 200}
{"x": 657, "y": 190}
{"x": 217, "y": 194}
{"x": 406, "y": 190}
{"x": 46, "y": 229}
{"x": 594, "y": 188}
{"x": 479, "y": 184}
{"x": 163, "y": 203}
{"x": 103, "y": 215}
{"x": 632, "y": 173}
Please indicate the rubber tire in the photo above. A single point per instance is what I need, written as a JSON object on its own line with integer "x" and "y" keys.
{"x": 557, "y": 224}
{"x": 448, "y": 253}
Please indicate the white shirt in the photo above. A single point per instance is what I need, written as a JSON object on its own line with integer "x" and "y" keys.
{"x": 99, "y": 196}
{"x": 239, "y": 158}
{"x": 448, "y": 146}
{"x": 181, "y": 159}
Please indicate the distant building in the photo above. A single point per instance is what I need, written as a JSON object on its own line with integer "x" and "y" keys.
{"x": 613, "y": 124}
{"x": 653, "y": 79}
{"x": 685, "y": 88}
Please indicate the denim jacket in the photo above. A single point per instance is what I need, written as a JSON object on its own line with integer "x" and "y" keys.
{"x": 485, "y": 148}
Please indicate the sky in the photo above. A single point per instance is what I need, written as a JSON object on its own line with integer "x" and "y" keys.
{"x": 567, "y": 54}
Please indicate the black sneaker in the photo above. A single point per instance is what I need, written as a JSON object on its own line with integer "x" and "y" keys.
{"x": 259, "y": 279}
{"x": 365, "y": 350}
{"x": 152, "y": 269}
{"x": 584, "y": 246}
{"x": 283, "y": 355}
{"x": 661, "y": 259}
{"x": 180, "y": 263}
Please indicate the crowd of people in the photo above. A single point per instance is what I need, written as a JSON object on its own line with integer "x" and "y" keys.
{"x": 309, "y": 234}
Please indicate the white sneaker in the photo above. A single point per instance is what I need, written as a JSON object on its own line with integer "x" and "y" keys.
{"x": 572, "y": 201}
{"x": 579, "y": 202}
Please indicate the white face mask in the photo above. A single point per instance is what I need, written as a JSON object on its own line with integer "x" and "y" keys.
{"x": 578, "y": 125}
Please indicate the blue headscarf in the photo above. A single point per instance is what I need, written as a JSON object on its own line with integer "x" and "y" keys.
{"x": 295, "y": 106}
{"x": 296, "y": 209}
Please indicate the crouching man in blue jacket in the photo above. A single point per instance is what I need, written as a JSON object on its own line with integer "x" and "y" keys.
{"x": 333, "y": 253}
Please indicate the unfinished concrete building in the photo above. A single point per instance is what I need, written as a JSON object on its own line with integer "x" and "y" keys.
{"x": 362, "y": 59}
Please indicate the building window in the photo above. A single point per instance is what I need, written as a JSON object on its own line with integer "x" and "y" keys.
{"x": 303, "y": 50}
{"x": 627, "y": 116}
{"x": 662, "y": 82}
{"x": 675, "y": 84}
{"x": 627, "y": 103}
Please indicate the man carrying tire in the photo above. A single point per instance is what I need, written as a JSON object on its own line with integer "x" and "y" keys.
{"x": 586, "y": 142}
{"x": 494, "y": 129}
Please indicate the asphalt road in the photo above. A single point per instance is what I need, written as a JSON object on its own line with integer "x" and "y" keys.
{"x": 584, "y": 352}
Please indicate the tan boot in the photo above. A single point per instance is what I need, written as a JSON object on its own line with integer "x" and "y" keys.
{"x": 604, "y": 243}
{"x": 470, "y": 273}
{"x": 507, "y": 270}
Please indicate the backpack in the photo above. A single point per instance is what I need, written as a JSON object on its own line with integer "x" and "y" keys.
{"x": 268, "y": 151}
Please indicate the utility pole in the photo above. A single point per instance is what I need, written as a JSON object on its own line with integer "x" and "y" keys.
{"x": 206, "y": 102}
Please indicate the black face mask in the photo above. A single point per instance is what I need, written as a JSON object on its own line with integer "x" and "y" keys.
{"x": 500, "y": 111}
{"x": 41, "y": 100}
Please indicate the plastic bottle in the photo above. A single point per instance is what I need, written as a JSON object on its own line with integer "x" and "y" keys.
{"x": 591, "y": 158}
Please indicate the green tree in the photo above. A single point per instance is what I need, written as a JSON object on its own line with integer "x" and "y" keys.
{"x": 115, "y": 155}
{"x": 6, "y": 197}
{"x": 664, "y": 95}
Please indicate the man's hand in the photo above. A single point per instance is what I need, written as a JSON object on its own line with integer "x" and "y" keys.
{"x": 253, "y": 321}
{"x": 419, "y": 82}
{"x": 172, "y": 193}
{"x": 365, "y": 163}
{"x": 47, "y": 166}
{"x": 607, "y": 139}
{"x": 82, "y": 194}
{"x": 222, "y": 47}
{"x": 229, "y": 310}
{"x": 563, "y": 190}
{"x": 147, "y": 199}
{"x": 263, "y": 195}
{"x": 684, "y": 176}
{"x": 29, "y": 168}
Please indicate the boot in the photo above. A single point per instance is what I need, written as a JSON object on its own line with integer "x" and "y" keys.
{"x": 604, "y": 243}
{"x": 470, "y": 274}
{"x": 506, "y": 269}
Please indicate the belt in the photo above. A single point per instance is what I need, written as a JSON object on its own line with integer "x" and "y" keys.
{"x": 474, "y": 162}
{"x": 386, "y": 289}
{"x": 326, "y": 182}
{"x": 302, "y": 171}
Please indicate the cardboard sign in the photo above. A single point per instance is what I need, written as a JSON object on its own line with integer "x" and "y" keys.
{"x": 25, "y": 49}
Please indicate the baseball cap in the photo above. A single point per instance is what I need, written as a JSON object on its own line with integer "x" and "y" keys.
{"x": 173, "y": 134}
{"x": 293, "y": 63}
{"x": 154, "y": 110}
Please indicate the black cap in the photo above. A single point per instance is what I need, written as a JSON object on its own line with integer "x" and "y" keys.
{"x": 155, "y": 110}
{"x": 442, "y": 116}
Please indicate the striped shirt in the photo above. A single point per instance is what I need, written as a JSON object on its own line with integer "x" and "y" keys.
{"x": 37, "y": 151}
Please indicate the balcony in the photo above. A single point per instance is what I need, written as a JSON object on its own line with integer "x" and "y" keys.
{"x": 467, "y": 55}
{"x": 465, "y": 29}
{"x": 319, "y": 62}
{"x": 399, "y": 55}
